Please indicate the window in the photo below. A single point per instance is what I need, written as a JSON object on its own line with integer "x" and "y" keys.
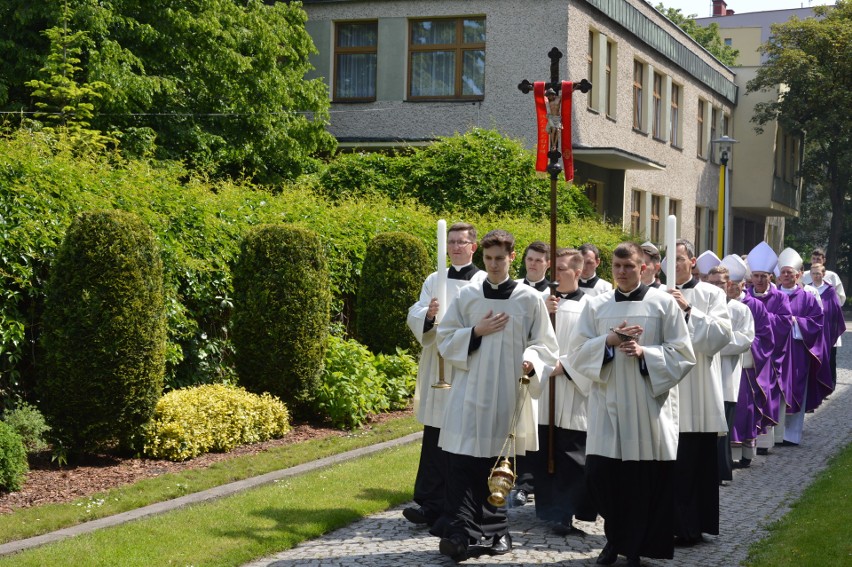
{"x": 636, "y": 212}
{"x": 610, "y": 111}
{"x": 728, "y": 41}
{"x": 638, "y": 72}
{"x": 656, "y": 207}
{"x": 594, "y": 192}
{"x": 786, "y": 157}
{"x": 698, "y": 243}
{"x": 711, "y": 230}
{"x": 674, "y": 205}
{"x": 714, "y": 119}
{"x": 700, "y": 128}
{"x": 657, "y": 131}
{"x": 447, "y": 58}
{"x": 590, "y": 66}
{"x": 675, "y": 110}
{"x": 355, "y": 60}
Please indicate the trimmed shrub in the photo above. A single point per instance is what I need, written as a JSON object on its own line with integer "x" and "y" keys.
{"x": 281, "y": 313}
{"x": 29, "y": 423}
{"x": 13, "y": 459}
{"x": 104, "y": 333}
{"x": 212, "y": 417}
{"x": 394, "y": 268}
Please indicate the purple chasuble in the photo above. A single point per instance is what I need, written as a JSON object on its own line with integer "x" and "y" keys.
{"x": 778, "y": 308}
{"x": 833, "y": 327}
{"x": 756, "y": 382}
{"x": 804, "y": 355}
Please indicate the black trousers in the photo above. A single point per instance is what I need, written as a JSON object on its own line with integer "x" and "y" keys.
{"x": 696, "y": 486}
{"x": 636, "y": 500}
{"x": 726, "y": 461}
{"x": 470, "y": 514}
{"x": 430, "y": 485}
{"x": 563, "y": 495}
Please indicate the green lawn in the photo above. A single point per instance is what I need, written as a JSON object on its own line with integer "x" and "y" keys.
{"x": 249, "y": 525}
{"x": 818, "y": 528}
{"x": 28, "y": 522}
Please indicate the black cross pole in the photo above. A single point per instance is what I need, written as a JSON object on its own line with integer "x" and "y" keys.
{"x": 554, "y": 168}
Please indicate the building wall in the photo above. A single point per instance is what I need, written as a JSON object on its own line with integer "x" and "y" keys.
{"x": 519, "y": 36}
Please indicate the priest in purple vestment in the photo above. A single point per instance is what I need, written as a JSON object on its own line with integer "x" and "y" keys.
{"x": 755, "y": 382}
{"x": 762, "y": 261}
{"x": 833, "y": 326}
{"x": 805, "y": 344}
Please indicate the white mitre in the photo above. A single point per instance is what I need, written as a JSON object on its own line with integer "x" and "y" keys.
{"x": 789, "y": 258}
{"x": 762, "y": 258}
{"x": 706, "y": 261}
{"x": 736, "y": 267}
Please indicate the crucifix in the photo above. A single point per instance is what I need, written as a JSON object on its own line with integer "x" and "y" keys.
{"x": 553, "y": 113}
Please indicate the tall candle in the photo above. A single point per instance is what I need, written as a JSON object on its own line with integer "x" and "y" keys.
{"x": 671, "y": 250}
{"x": 441, "y": 292}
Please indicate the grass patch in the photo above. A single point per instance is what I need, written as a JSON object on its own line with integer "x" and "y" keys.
{"x": 28, "y": 522}
{"x": 818, "y": 528}
{"x": 249, "y": 525}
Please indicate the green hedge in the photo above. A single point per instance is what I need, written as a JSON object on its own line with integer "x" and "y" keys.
{"x": 199, "y": 226}
{"x": 281, "y": 313}
{"x": 104, "y": 332}
{"x": 394, "y": 268}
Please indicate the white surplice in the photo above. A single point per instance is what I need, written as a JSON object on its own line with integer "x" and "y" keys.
{"x": 571, "y": 395}
{"x": 632, "y": 417}
{"x": 486, "y": 381}
{"x": 738, "y": 351}
{"x": 429, "y": 402}
{"x": 701, "y": 403}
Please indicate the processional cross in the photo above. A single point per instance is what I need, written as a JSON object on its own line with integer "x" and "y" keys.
{"x": 553, "y": 114}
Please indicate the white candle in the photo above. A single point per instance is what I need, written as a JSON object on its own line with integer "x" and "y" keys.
{"x": 671, "y": 250}
{"x": 441, "y": 292}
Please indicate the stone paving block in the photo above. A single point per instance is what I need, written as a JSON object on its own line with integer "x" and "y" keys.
{"x": 756, "y": 497}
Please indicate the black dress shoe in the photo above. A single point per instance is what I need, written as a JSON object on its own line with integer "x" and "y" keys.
{"x": 416, "y": 515}
{"x": 519, "y": 498}
{"x": 454, "y": 547}
{"x": 762, "y": 451}
{"x": 566, "y": 530}
{"x": 608, "y": 555}
{"x": 502, "y": 544}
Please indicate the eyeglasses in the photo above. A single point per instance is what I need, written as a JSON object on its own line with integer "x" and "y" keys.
{"x": 458, "y": 242}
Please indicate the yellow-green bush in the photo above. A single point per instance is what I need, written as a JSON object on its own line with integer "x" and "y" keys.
{"x": 212, "y": 417}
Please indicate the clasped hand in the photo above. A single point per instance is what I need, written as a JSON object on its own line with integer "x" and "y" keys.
{"x": 491, "y": 323}
{"x": 625, "y": 337}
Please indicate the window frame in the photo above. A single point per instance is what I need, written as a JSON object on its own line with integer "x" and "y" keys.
{"x": 699, "y": 214}
{"x": 700, "y": 128}
{"x": 674, "y": 109}
{"x": 657, "y": 118}
{"x": 608, "y": 67}
{"x": 459, "y": 47}
{"x": 636, "y": 212}
{"x": 638, "y": 102}
{"x": 656, "y": 208}
{"x": 359, "y": 50}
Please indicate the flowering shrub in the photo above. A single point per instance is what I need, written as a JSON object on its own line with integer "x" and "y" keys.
{"x": 212, "y": 417}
